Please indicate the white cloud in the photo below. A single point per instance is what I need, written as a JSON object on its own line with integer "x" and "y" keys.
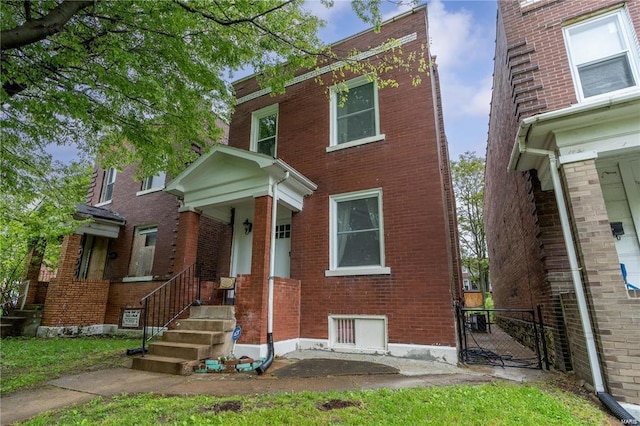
{"x": 463, "y": 49}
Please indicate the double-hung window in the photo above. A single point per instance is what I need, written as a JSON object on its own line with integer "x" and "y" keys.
{"x": 153, "y": 183}
{"x": 355, "y": 118}
{"x": 108, "y": 182}
{"x": 603, "y": 54}
{"x": 264, "y": 130}
{"x": 356, "y": 237}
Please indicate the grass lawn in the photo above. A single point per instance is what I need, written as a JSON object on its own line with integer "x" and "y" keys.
{"x": 488, "y": 404}
{"x": 28, "y": 362}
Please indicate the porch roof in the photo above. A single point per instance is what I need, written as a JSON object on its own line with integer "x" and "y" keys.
{"x": 226, "y": 176}
{"x": 103, "y": 223}
{"x": 588, "y": 130}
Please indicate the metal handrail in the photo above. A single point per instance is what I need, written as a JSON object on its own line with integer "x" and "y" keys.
{"x": 167, "y": 302}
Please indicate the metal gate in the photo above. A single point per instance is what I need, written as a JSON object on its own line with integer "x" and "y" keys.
{"x": 502, "y": 337}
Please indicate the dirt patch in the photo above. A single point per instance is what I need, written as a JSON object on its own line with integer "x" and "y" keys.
{"x": 336, "y": 404}
{"x": 235, "y": 406}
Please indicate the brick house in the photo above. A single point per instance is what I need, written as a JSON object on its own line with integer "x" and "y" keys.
{"x": 357, "y": 197}
{"x": 562, "y": 200}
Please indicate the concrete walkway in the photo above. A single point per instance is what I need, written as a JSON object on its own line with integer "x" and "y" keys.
{"x": 81, "y": 388}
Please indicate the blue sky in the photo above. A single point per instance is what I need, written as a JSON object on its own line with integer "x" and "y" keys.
{"x": 463, "y": 39}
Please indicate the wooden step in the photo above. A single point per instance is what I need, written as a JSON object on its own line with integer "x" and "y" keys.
{"x": 163, "y": 364}
{"x": 205, "y": 324}
{"x": 193, "y": 336}
{"x": 190, "y": 351}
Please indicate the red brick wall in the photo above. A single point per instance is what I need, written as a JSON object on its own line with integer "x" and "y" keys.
{"x": 532, "y": 75}
{"x": 126, "y": 295}
{"x": 71, "y": 301}
{"x": 286, "y": 309}
{"x": 155, "y": 208}
{"x": 407, "y": 165}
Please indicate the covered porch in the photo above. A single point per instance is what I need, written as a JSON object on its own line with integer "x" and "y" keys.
{"x": 246, "y": 190}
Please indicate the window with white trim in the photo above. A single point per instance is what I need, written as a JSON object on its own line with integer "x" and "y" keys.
{"x": 108, "y": 182}
{"x": 356, "y": 237}
{"x": 143, "y": 250}
{"x": 155, "y": 182}
{"x": 355, "y": 117}
{"x": 603, "y": 54}
{"x": 264, "y": 130}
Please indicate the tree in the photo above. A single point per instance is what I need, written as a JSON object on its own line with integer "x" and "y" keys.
{"x": 468, "y": 185}
{"x": 136, "y": 82}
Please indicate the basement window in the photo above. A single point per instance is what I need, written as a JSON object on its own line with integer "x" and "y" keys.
{"x": 366, "y": 333}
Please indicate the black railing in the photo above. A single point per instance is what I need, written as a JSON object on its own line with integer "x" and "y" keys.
{"x": 167, "y": 302}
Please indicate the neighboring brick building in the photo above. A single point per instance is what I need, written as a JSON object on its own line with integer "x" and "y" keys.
{"x": 366, "y": 254}
{"x": 565, "y": 130}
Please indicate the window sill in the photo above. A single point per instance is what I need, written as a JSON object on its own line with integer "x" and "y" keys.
{"x": 134, "y": 279}
{"x": 357, "y": 142}
{"x": 363, "y": 270}
{"x": 149, "y": 191}
{"x": 103, "y": 203}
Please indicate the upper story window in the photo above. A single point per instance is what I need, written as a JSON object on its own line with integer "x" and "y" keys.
{"x": 356, "y": 238}
{"x": 603, "y": 54}
{"x": 264, "y": 130}
{"x": 153, "y": 183}
{"x": 108, "y": 182}
{"x": 355, "y": 117}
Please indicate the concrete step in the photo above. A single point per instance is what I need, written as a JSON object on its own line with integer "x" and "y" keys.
{"x": 206, "y": 324}
{"x": 163, "y": 364}
{"x": 190, "y": 351}
{"x": 213, "y": 312}
{"x": 6, "y": 330}
{"x": 12, "y": 319}
{"x": 28, "y": 313}
{"x": 34, "y": 306}
{"x": 193, "y": 336}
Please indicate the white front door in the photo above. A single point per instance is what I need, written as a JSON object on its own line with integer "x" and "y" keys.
{"x": 283, "y": 248}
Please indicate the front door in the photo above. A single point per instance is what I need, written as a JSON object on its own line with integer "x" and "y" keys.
{"x": 283, "y": 248}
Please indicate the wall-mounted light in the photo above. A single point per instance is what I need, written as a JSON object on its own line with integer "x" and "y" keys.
{"x": 247, "y": 226}
{"x": 616, "y": 229}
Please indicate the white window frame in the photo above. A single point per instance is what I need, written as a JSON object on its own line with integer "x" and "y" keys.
{"x": 632, "y": 52}
{"x": 358, "y": 333}
{"x": 333, "y": 108}
{"x": 110, "y": 172}
{"x": 334, "y": 270}
{"x": 256, "y": 116}
{"x": 147, "y": 184}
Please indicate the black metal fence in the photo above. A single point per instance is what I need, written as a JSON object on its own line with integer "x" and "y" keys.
{"x": 501, "y": 337}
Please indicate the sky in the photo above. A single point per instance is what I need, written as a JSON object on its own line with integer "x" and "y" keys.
{"x": 462, "y": 34}
{"x": 462, "y": 37}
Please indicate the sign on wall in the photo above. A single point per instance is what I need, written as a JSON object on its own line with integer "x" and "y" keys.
{"x": 130, "y": 318}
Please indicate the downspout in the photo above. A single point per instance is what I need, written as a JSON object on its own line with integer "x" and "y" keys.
{"x": 592, "y": 352}
{"x": 272, "y": 267}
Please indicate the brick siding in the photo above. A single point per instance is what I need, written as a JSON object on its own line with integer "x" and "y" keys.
{"x": 410, "y": 167}
{"x": 529, "y": 264}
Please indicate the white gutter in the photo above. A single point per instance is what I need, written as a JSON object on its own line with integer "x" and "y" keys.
{"x": 272, "y": 268}
{"x": 520, "y": 147}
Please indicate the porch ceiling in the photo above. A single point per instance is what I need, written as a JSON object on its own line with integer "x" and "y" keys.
{"x": 227, "y": 176}
{"x": 587, "y": 130}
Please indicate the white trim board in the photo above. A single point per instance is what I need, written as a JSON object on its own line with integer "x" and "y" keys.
{"x": 332, "y": 67}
